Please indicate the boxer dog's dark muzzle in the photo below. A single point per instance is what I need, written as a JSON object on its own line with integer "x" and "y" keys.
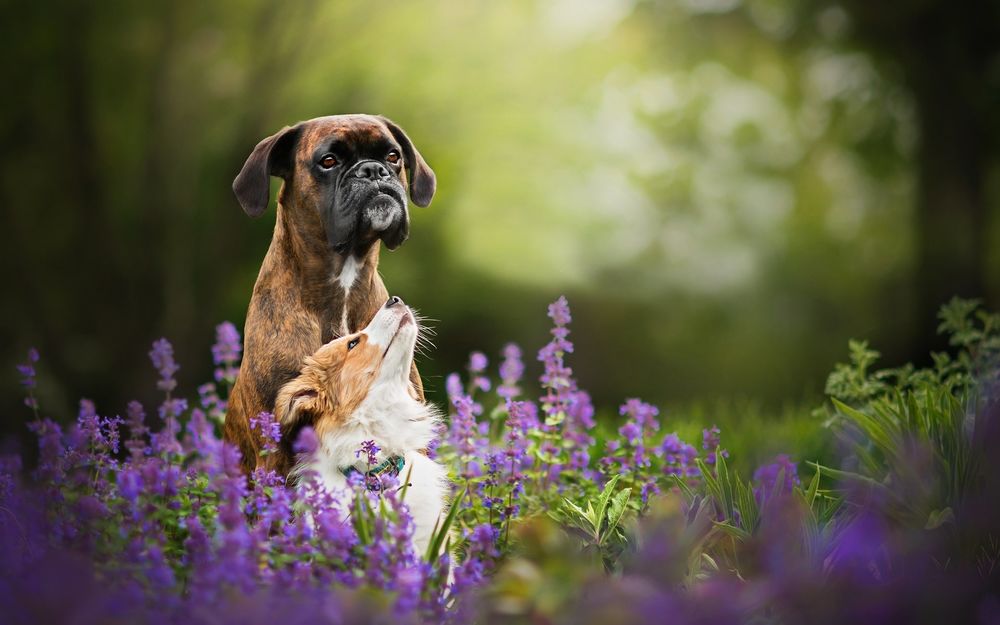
{"x": 367, "y": 202}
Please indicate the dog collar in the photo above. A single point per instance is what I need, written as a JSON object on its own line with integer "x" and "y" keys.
{"x": 392, "y": 465}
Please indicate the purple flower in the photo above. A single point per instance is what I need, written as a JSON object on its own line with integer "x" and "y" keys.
{"x": 482, "y": 383}
{"x": 453, "y": 386}
{"x": 711, "y": 438}
{"x": 270, "y": 430}
{"x": 464, "y": 436}
{"x": 214, "y": 405}
{"x": 226, "y": 352}
{"x": 28, "y": 379}
{"x": 678, "y": 456}
{"x": 136, "y": 421}
{"x": 162, "y": 356}
{"x": 766, "y": 478}
{"x": 559, "y": 311}
{"x": 370, "y": 451}
{"x": 307, "y": 441}
{"x": 511, "y": 371}
{"x": 478, "y": 362}
{"x": 645, "y": 415}
{"x": 27, "y": 370}
{"x": 631, "y": 432}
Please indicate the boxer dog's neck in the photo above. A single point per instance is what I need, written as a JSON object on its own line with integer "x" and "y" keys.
{"x": 341, "y": 288}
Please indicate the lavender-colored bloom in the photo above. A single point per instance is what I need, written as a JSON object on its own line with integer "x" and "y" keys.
{"x": 631, "y": 432}
{"x": 464, "y": 436}
{"x": 226, "y": 352}
{"x": 453, "y": 386}
{"x": 162, "y": 356}
{"x": 307, "y": 441}
{"x": 214, "y": 405}
{"x": 711, "y": 438}
{"x": 478, "y": 362}
{"x": 27, "y": 370}
{"x": 559, "y": 312}
{"x": 28, "y": 379}
{"x": 481, "y": 383}
{"x": 270, "y": 430}
{"x": 511, "y": 371}
{"x": 766, "y": 478}
{"x": 370, "y": 452}
{"x": 643, "y": 414}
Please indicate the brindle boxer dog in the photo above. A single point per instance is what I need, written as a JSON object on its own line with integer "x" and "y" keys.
{"x": 344, "y": 191}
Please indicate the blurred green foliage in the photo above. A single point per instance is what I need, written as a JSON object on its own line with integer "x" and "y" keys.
{"x": 726, "y": 190}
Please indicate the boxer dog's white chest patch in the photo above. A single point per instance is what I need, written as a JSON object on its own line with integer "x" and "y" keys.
{"x": 346, "y": 278}
{"x": 348, "y": 273}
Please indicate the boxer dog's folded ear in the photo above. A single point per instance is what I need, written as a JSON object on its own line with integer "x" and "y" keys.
{"x": 421, "y": 177}
{"x": 271, "y": 157}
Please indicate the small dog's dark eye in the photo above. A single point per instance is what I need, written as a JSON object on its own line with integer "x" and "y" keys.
{"x": 393, "y": 157}
{"x": 328, "y": 161}
{"x": 353, "y": 343}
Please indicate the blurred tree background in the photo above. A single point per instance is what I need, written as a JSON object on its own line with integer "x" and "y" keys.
{"x": 726, "y": 190}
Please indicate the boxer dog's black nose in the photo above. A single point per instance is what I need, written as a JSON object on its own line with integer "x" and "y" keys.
{"x": 372, "y": 170}
{"x": 393, "y": 301}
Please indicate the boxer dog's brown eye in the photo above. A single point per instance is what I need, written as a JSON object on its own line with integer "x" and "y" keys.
{"x": 327, "y": 161}
{"x": 393, "y": 157}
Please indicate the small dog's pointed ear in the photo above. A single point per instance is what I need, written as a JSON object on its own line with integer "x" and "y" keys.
{"x": 271, "y": 157}
{"x": 421, "y": 177}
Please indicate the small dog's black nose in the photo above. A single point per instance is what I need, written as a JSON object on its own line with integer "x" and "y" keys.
{"x": 393, "y": 301}
{"x": 372, "y": 170}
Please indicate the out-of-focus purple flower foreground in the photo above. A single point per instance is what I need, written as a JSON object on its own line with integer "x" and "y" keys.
{"x": 147, "y": 519}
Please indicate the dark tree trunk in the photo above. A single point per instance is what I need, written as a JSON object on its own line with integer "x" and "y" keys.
{"x": 945, "y": 52}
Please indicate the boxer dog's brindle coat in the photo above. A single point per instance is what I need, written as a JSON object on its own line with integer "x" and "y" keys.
{"x": 344, "y": 191}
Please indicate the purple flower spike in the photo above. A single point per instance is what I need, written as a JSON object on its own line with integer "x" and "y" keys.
{"x": 162, "y": 356}
{"x": 27, "y": 370}
{"x": 511, "y": 371}
{"x": 226, "y": 352}
{"x": 478, "y": 362}
{"x": 269, "y": 428}
{"x": 559, "y": 311}
{"x": 766, "y": 478}
{"x": 370, "y": 451}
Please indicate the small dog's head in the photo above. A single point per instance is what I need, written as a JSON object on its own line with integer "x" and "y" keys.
{"x": 342, "y": 374}
{"x": 352, "y": 171}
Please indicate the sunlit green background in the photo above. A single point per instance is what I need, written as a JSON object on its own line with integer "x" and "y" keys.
{"x": 726, "y": 190}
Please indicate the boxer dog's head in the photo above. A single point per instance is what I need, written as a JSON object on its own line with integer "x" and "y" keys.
{"x": 351, "y": 170}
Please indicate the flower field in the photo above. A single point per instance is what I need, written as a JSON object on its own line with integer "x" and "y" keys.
{"x": 557, "y": 516}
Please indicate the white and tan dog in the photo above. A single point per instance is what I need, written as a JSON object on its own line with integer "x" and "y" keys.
{"x": 358, "y": 388}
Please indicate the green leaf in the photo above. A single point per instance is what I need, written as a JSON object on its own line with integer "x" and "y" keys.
{"x": 441, "y": 533}
{"x": 869, "y": 426}
{"x": 937, "y": 518}
{"x": 852, "y": 477}
{"x": 602, "y": 502}
{"x": 406, "y": 484}
{"x": 732, "y": 530}
{"x": 618, "y": 506}
{"x": 812, "y": 489}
